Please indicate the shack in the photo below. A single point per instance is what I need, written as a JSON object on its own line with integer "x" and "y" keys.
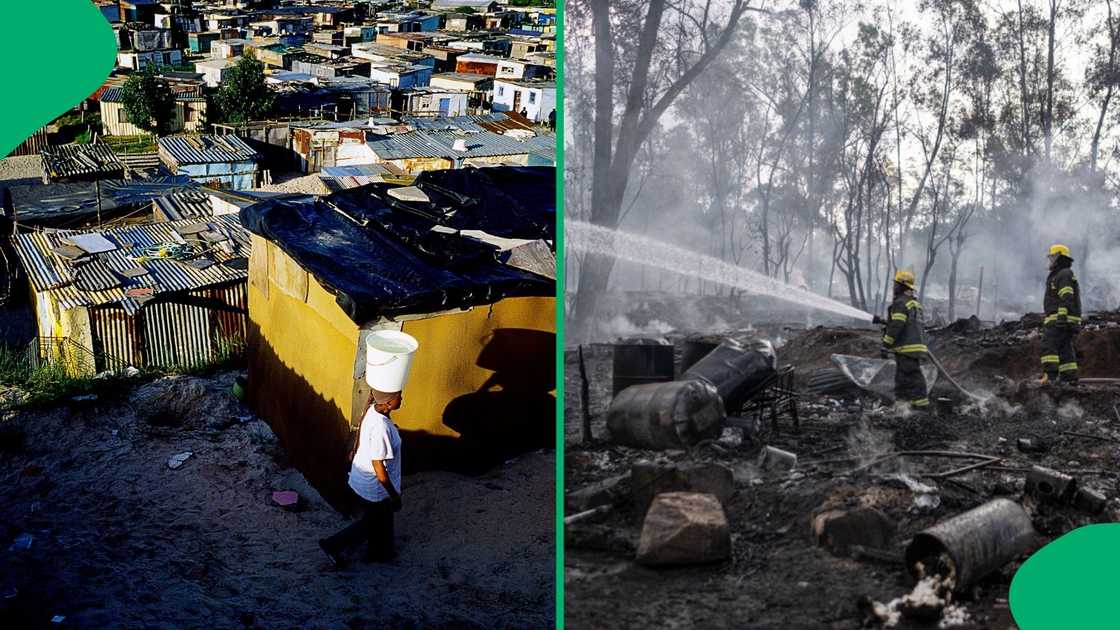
{"x": 80, "y": 163}
{"x": 481, "y": 386}
{"x": 215, "y": 161}
{"x": 190, "y": 112}
{"x": 419, "y": 151}
{"x": 154, "y": 294}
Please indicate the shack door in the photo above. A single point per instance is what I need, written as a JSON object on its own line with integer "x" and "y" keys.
{"x": 517, "y": 101}
{"x": 444, "y": 106}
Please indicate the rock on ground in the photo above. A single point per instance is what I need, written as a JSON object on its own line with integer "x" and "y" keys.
{"x": 838, "y": 530}
{"x": 684, "y": 528}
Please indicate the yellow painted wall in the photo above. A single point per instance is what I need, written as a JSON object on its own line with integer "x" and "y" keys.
{"x": 303, "y": 378}
{"x": 311, "y": 336}
{"x": 446, "y": 366}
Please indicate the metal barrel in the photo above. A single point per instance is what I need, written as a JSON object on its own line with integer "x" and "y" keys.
{"x": 641, "y": 364}
{"x": 976, "y": 543}
{"x": 735, "y": 369}
{"x": 697, "y": 347}
{"x": 665, "y": 415}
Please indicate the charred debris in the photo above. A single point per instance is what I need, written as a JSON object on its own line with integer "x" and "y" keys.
{"x": 723, "y": 453}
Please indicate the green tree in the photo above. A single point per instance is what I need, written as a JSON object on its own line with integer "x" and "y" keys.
{"x": 149, "y": 102}
{"x": 243, "y": 95}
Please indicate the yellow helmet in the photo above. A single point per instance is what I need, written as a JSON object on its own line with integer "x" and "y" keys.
{"x": 905, "y": 278}
{"x": 1060, "y": 249}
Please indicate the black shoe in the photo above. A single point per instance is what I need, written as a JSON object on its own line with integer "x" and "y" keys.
{"x": 333, "y": 555}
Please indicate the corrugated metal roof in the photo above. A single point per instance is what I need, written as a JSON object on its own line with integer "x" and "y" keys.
{"x": 191, "y": 204}
{"x": 416, "y": 144}
{"x": 114, "y": 95}
{"x": 544, "y": 146}
{"x": 207, "y": 149}
{"x": 71, "y": 160}
{"x": 50, "y": 272}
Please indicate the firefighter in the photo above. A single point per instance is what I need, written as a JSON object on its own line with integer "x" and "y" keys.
{"x": 1062, "y": 319}
{"x": 906, "y": 338}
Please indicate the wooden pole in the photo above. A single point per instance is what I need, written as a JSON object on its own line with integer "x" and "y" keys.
{"x": 979, "y": 291}
{"x": 97, "y": 189}
{"x": 584, "y": 398}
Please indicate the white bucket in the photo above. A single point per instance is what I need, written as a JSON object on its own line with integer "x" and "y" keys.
{"x": 388, "y": 359}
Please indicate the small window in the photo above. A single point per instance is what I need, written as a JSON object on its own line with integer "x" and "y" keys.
{"x": 532, "y": 97}
{"x": 121, "y": 116}
{"x": 501, "y": 91}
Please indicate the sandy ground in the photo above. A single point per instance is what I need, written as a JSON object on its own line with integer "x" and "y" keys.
{"x": 120, "y": 540}
{"x": 25, "y": 167}
{"x": 296, "y": 183}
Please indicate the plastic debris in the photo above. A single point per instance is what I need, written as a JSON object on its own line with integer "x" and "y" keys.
{"x": 287, "y": 499}
{"x": 58, "y": 618}
{"x": 177, "y": 460}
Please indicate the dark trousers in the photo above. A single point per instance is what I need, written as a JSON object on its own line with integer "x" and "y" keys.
{"x": 375, "y": 527}
{"x": 1059, "y": 359}
{"x": 909, "y": 383}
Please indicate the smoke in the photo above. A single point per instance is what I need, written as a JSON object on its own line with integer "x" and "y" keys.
{"x": 622, "y": 326}
{"x": 990, "y": 405}
{"x": 1070, "y": 410}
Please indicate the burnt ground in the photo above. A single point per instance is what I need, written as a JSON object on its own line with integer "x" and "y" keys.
{"x": 120, "y": 540}
{"x": 777, "y": 577}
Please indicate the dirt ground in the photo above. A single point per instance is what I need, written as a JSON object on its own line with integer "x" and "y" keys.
{"x": 120, "y": 540}
{"x": 777, "y": 577}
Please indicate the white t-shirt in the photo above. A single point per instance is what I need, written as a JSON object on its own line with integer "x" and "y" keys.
{"x": 378, "y": 439}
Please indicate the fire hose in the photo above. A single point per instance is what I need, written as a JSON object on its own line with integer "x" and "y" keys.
{"x": 940, "y": 368}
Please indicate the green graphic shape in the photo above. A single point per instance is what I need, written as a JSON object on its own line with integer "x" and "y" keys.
{"x": 54, "y": 54}
{"x": 1071, "y": 582}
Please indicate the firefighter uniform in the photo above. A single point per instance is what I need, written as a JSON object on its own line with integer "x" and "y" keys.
{"x": 1061, "y": 322}
{"x": 907, "y": 338}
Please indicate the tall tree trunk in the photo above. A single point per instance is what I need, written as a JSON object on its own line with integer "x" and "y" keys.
{"x": 614, "y": 156}
{"x": 1094, "y": 150}
{"x": 1048, "y": 123}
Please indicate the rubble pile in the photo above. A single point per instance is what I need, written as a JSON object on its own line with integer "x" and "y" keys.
{"x": 855, "y": 515}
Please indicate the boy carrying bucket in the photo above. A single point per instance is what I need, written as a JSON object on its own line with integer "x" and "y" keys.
{"x": 375, "y": 458}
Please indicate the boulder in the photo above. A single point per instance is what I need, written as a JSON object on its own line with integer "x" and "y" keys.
{"x": 684, "y": 528}
{"x": 839, "y": 530}
{"x": 649, "y": 479}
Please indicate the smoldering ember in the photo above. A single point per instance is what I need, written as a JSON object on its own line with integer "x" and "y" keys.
{"x": 842, "y": 331}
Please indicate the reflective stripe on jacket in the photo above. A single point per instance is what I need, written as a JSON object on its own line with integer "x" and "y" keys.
{"x": 1063, "y": 297}
{"x": 905, "y": 332}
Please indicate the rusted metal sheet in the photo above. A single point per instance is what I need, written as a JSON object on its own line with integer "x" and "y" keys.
{"x": 199, "y": 328}
{"x": 115, "y": 343}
